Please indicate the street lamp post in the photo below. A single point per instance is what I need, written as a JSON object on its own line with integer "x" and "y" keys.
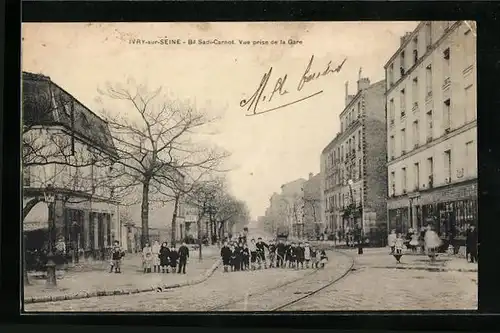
{"x": 49, "y": 196}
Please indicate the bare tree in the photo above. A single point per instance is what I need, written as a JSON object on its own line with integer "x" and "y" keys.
{"x": 228, "y": 212}
{"x": 153, "y": 135}
{"x": 312, "y": 205}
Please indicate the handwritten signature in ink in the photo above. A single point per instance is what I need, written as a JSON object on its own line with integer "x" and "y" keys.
{"x": 260, "y": 96}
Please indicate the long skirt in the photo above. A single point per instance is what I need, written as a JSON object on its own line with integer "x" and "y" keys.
{"x": 156, "y": 260}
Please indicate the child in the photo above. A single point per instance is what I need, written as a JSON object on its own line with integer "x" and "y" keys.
{"x": 323, "y": 259}
{"x": 314, "y": 258}
{"x": 164, "y": 257}
{"x": 398, "y": 247}
{"x": 292, "y": 256}
{"x": 116, "y": 256}
{"x": 225, "y": 253}
{"x": 307, "y": 254}
{"x": 246, "y": 257}
{"x": 147, "y": 258}
{"x": 172, "y": 258}
{"x": 300, "y": 256}
{"x": 253, "y": 253}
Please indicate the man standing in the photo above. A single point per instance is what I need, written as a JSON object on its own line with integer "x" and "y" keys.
{"x": 183, "y": 257}
{"x": 472, "y": 243}
{"x": 116, "y": 257}
{"x": 272, "y": 254}
{"x": 280, "y": 250}
{"x": 225, "y": 253}
{"x": 261, "y": 257}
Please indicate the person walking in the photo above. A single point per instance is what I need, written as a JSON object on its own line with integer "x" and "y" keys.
{"x": 391, "y": 240}
{"x": 164, "y": 257}
{"x": 147, "y": 257}
{"x": 398, "y": 248}
{"x": 116, "y": 257}
{"x": 432, "y": 243}
{"x": 173, "y": 257}
{"x": 225, "y": 254}
{"x": 183, "y": 258}
{"x": 155, "y": 249}
{"x": 471, "y": 242}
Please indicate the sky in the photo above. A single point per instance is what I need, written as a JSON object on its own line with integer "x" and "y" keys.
{"x": 268, "y": 149}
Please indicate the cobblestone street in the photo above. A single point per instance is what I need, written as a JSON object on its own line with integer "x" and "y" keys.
{"x": 375, "y": 284}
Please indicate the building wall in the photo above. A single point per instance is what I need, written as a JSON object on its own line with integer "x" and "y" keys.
{"x": 446, "y": 135}
{"x": 312, "y": 205}
{"x": 375, "y": 151}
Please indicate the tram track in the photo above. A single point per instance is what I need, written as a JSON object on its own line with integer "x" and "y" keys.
{"x": 262, "y": 299}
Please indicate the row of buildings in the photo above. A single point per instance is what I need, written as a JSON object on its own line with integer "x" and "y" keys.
{"x": 57, "y": 127}
{"x": 406, "y": 153}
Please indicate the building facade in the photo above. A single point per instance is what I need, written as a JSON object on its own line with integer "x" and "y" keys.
{"x": 432, "y": 129}
{"x": 313, "y": 225}
{"x": 353, "y": 171}
{"x": 68, "y": 153}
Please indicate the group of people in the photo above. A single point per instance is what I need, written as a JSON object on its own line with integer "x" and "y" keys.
{"x": 240, "y": 255}
{"x": 165, "y": 259}
{"x": 428, "y": 241}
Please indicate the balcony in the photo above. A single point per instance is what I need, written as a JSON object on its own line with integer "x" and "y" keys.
{"x": 415, "y": 107}
{"x": 446, "y": 83}
{"x": 468, "y": 70}
{"x": 403, "y": 113}
{"x": 428, "y": 96}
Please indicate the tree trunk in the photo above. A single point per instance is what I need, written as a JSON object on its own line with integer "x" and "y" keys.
{"x": 198, "y": 224}
{"x": 145, "y": 214}
{"x": 174, "y": 221}
{"x": 29, "y": 206}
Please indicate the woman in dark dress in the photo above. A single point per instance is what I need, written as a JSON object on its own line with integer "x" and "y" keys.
{"x": 164, "y": 257}
{"x": 173, "y": 257}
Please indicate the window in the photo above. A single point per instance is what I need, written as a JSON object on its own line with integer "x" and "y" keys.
{"x": 415, "y": 134}
{"x": 430, "y": 171}
{"x": 402, "y": 102}
{"x": 342, "y": 153}
{"x": 391, "y": 75}
{"x": 415, "y": 50}
{"x": 26, "y": 176}
{"x": 402, "y": 63}
{"x": 392, "y": 111}
{"x": 446, "y": 64}
{"x": 429, "y": 125}
{"x": 416, "y": 170}
{"x": 391, "y": 147}
{"x": 360, "y": 169}
{"x": 414, "y": 91}
{"x": 403, "y": 141}
{"x": 360, "y": 139}
{"x": 403, "y": 179}
{"x": 341, "y": 126}
{"x": 470, "y": 104}
{"x": 393, "y": 183}
{"x": 428, "y": 81}
{"x": 447, "y": 115}
{"x": 471, "y": 159}
{"x": 359, "y": 109}
{"x": 469, "y": 49}
{"x": 428, "y": 34}
{"x": 447, "y": 166}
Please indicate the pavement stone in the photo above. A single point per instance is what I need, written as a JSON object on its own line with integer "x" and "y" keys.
{"x": 84, "y": 284}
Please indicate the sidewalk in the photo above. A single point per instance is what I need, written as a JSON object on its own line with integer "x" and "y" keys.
{"x": 91, "y": 280}
{"x": 380, "y": 258}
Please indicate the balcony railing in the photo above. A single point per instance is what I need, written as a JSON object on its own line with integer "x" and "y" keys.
{"x": 428, "y": 96}
{"x": 403, "y": 112}
{"x": 391, "y": 122}
{"x": 446, "y": 83}
{"x": 415, "y": 107}
{"x": 468, "y": 70}
{"x": 429, "y": 138}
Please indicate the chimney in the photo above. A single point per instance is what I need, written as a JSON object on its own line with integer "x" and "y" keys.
{"x": 405, "y": 37}
{"x": 310, "y": 175}
{"x": 363, "y": 83}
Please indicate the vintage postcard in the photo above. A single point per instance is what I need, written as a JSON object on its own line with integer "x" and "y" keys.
{"x": 246, "y": 166}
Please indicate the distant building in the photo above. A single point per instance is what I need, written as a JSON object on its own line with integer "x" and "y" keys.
{"x": 353, "y": 165}
{"x": 313, "y": 225}
{"x": 58, "y": 129}
{"x": 432, "y": 129}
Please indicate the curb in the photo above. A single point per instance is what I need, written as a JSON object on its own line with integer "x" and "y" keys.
{"x": 436, "y": 269}
{"x": 102, "y": 293}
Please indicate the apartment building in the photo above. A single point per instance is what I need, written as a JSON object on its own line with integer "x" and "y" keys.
{"x": 432, "y": 129}
{"x": 58, "y": 130}
{"x": 353, "y": 167}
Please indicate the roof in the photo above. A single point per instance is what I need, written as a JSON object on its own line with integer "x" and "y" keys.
{"x": 46, "y": 103}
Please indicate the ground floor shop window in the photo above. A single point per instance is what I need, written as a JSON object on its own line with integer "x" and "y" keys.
{"x": 450, "y": 219}
{"x": 399, "y": 220}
